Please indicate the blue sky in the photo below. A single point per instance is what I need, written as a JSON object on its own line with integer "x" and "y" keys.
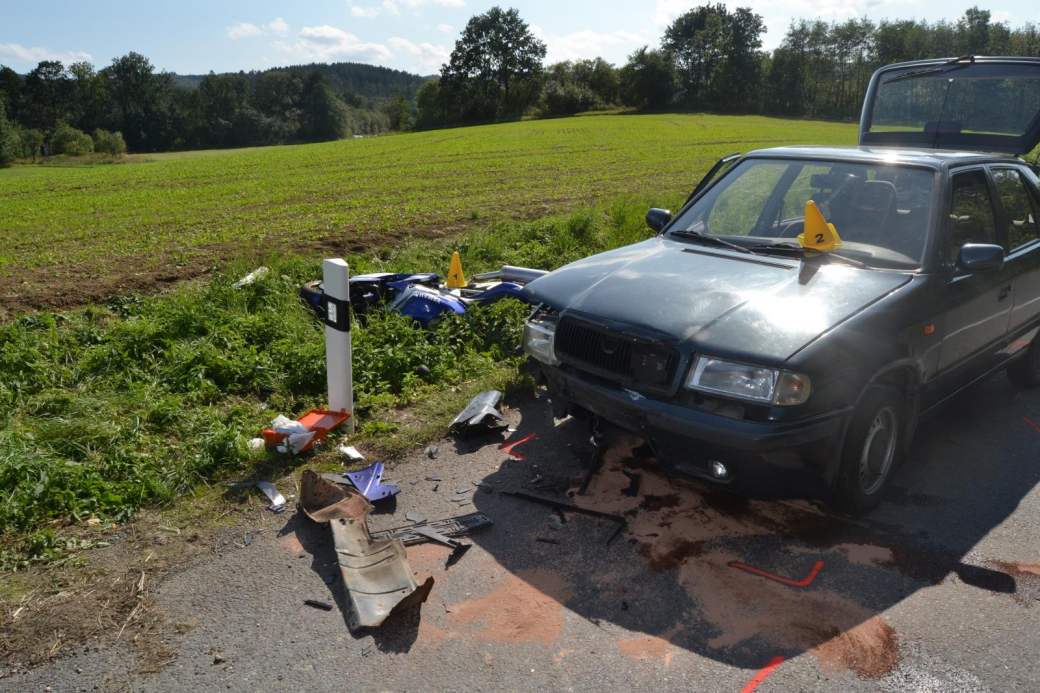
{"x": 191, "y": 36}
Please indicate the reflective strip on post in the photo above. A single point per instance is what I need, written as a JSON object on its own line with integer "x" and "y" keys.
{"x": 336, "y": 283}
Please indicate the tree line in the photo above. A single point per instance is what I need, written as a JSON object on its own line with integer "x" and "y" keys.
{"x": 129, "y": 104}
{"x": 708, "y": 59}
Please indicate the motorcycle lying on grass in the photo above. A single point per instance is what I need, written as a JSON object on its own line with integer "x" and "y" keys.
{"x": 425, "y": 297}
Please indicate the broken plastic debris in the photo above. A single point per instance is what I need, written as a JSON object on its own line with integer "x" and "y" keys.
{"x": 375, "y": 572}
{"x": 478, "y": 411}
{"x": 433, "y": 478}
{"x": 450, "y": 527}
{"x": 370, "y": 482}
{"x": 464, "y": 489}
{"x": 283, "y": 424}
{"x": 251, "y": 277}
{"x": 351, "y": 452}
{"x": 277, "y": 504}
{"x": 413, "y": 516}
{"x": 432, "y": 451}
{"x": 296, "y": 442}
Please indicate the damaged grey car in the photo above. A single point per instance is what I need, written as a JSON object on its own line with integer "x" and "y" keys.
{"x": 783, "y": 334}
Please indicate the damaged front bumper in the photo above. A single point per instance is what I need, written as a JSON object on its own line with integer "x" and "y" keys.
{"x": 766, "y": 460}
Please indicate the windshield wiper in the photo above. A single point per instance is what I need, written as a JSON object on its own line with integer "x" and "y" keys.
{"x": 956, "y": 62}
{"x": 698, "y": 236}
{"x": 791, "y": 249}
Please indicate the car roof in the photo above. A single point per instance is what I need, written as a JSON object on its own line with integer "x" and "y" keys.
{"x": 932, "y": 158}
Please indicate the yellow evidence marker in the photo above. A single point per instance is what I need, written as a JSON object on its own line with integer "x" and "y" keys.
{"x": 456, "y": 279}
{"x": 818, "y": 235}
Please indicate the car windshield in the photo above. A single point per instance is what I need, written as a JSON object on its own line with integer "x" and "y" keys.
{"x": 881, "y": 212}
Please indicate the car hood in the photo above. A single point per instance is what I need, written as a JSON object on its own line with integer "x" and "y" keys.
{"x": 717, "y": 301}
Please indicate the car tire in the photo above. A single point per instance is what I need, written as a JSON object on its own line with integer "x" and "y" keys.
{"x": 1025, "y": 372}
{"x": 872, "y": 451}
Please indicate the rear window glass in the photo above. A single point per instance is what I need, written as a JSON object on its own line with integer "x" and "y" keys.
{"x": 963, "y": 99}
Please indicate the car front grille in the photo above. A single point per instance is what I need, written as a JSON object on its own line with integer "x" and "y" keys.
{"x": 615, "y": 355}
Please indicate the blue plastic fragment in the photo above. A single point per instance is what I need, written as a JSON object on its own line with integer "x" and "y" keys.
{"x": 370, "y": 482}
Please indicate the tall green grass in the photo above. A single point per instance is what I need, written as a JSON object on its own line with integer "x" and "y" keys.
{"x": 116, "y": 407}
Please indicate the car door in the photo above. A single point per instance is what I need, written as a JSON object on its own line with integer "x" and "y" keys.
{"x": 1020, "y": 219}
{"x": 976, "y": 307}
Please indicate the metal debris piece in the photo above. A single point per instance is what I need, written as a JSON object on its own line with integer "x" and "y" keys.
{"x": 547, "y": 540}
{"x": 432, "y": 451}
{"x": 370, "y": 482}
{"x": 318, "y": 605}
{"x": 565, "y": 506}
{"x": 277, "y": 504}
{"x": 435, "y": 487}
{"x": 465, "y": 501}
{"x": 413, "y": 482}
{"x": 458, "y": 548}
{"x": 366, "y": 650}
{"x": 599, "y": 448}
{"x": 450, "y": 527}
{"x": 413, "y": 516}
{"x": 556, "y": 526}
{"x": 375, "y": 571}
{"x": 537, "y": 479}
{"x": 460, "y": 500}
{"x": 559, "y": 514}
{"x": 465, "y": 489}
{"x": 480, "y": 409}
{"x": 433, "y": 478}
{"x": 248, "y": 539}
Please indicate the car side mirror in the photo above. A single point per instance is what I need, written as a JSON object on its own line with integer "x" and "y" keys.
{"x": 657, "y": 219}
{"x": 976, "y": 258}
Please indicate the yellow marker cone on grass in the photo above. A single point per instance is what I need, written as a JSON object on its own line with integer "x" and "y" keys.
{"x": 456, "y": 279}
{"x": 818, "y": 235}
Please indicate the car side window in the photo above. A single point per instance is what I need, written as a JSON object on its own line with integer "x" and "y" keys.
{"x": 1020, "y": 212}
{"x": 971, "y": 212}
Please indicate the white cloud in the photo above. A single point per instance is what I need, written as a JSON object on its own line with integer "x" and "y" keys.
{"x": 327, "y": 43}
{"x": 431, "y": 56}
{"x": 278, "y": 26}
{"x": 579, "y": 45}
{"x": 446, "y": 28}
{"x": 243, "y": 30}
{"x": 20, "y": 55}
{"x": 394, "y": 7}
{"x": 247, "y": 30}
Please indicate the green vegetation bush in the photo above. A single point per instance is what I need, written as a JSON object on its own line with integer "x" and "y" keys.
{"x": 8, "y": 139}
{"x": 116, "y": 407}
{"x": 70, "y": 141}
{"x": 111, "y": 143}
{"x": 29, "y": 143}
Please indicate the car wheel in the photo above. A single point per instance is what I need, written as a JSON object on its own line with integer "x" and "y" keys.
{"x": 873, "y": 449}
{"x": 1025, "y": 372}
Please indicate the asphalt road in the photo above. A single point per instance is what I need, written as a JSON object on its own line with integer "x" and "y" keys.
{"x": 937, "y": 590}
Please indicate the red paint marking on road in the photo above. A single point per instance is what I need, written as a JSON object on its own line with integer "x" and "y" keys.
{"x": 1033, "y": 425}
{"x": 761, "y": 676}
{"x": 800, "y": 583}
{"x": 509, "y": 447}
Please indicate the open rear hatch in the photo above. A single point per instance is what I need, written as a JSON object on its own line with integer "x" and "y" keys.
{"x": 970, "y": 103}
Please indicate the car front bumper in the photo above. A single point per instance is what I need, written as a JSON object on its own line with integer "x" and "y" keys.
{"x": 766, "y": 460}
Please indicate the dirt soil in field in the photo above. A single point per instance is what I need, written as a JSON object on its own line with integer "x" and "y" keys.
{"x": 67, "y": 287}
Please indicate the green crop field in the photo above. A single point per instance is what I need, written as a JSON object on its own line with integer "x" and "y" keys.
{"x": 78, "y": 233}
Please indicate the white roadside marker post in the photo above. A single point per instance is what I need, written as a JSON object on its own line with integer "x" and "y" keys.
{"x": 336, "y": 283}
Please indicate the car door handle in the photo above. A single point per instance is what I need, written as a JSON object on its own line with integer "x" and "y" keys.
{"x": 1004, "y": 292}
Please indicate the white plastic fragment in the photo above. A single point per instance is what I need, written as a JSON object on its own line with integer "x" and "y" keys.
{"x": 283, "y": 424}
{"x": 351, "y": 452}
{"x": 296, "y": 442}
{"x": 251, "y": 277}
{"x": 256, "y": 444}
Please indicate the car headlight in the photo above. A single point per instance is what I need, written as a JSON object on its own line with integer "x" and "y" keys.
{"x": 539, "y": 338}
{"x": 744, "y": 381}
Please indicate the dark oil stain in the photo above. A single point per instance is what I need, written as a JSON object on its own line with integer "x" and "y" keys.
{"x": 677, "y": 552}
{"x": 654, "y": 503}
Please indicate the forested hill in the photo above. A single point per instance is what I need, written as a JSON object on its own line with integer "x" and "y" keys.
{"x": 371, "y": 81}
